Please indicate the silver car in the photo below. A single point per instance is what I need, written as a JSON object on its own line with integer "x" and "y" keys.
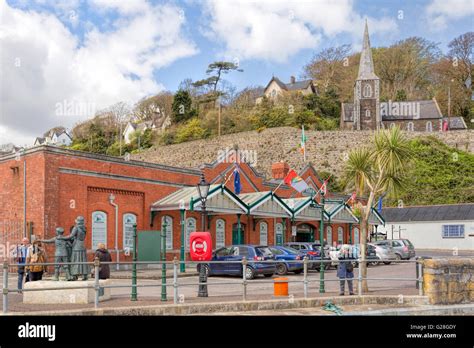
{"x": 403, "y": 248}
{"x": 384, "y": 252}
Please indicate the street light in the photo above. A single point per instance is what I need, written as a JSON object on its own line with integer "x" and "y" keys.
{"x": 321, "y": 242}
{"x": 203, "y": 190}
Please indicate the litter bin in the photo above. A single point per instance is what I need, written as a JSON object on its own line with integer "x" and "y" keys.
{"x": 418, "y": 275}
{"x": 280, "y": 287}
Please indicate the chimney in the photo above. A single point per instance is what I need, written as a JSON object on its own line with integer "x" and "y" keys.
{"x": 293, "y": 80}
{"x": 280, "y": 170}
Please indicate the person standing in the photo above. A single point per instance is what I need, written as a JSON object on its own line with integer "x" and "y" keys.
{"x": 79, "y": 252}
{"x": 104, "y": 256}
{"x": 345, "y": 270}
{"x": 36, "y": 255}
{"x": 21, "y": 254}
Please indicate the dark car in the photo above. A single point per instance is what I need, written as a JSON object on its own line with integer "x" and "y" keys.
{"x": 236, "y": 253}
{"x": 285, "y": 254}
{"x": 313, "y": 251}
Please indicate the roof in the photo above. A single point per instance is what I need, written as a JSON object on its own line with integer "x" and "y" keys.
{"x": 297, "y": 86}
{"x": 40, "y": 140}
{"x": 366, "y": 65}
{"x": 456, "y": 123}
{"x": 451, "y": 212}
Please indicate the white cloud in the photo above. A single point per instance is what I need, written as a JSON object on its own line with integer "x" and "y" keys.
{"x": 44, "y": 65}
{"x": 276, "y": 30}
{"x": 440, "y": 12}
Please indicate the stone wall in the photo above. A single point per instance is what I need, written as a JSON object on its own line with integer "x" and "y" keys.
{"x": 326, "y": 150}
{"x": 449, "y": 281}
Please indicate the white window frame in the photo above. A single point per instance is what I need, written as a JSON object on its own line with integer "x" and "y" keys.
{"x": 367, "y": 91}
{"x": 263, "y": 233}
{"x": 429, "y": 126}
{"x": 367, "y": 113}
{"x": 169, "y": 231}
{"x": 452, "y": 231}
{"x": 340, "y": 235}
{"x": 329, "y": 235}
{"x": 356, "y": 236}
{"x": 128, "y": 234}
{"x": 410, "y": 126}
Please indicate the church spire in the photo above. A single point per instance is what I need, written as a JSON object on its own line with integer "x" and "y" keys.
{"x": 366, "y": 65}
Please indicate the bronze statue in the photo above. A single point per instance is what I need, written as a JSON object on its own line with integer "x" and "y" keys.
{"x": 60, "y": 254}
{"x": 78, "y": 237}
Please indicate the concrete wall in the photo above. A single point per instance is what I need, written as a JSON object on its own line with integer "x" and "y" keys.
{"x": 448, "y": 281}
{"x": 428, "y": 235}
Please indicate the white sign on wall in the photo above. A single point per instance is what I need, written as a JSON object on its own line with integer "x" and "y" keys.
{"x": 99, "y": 229}
{"x": 220, "y": 233}
{"x": 128, "y": 221}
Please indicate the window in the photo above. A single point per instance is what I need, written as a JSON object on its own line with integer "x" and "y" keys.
{"x": 276, "y": 251}
{"x": 410, "y": 126}
{"x": 396, "y": 244}
{"x": 274, "y": 92}
{"x": 244, "y": 251}
{"x": 190, "y": 227}
{"x": 356, "y": 235}
{"x": 367, "y": 112}
{"x": 99, "y": 228}
{"x": 263, "y": 233}
{"x": 429, "y": 126}
{"x": 340, "y": 235}
{"x": 220, "y": 233}
{"x": 222, "y": 252}
{"x": 329, "y": 235}
{"x": 128, "y": 221}
{"x": 169, "y": 231}
{"x": 453, "y": 231}
{"x": 367, "y": 92}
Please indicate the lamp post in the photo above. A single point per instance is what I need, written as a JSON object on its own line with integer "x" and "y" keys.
{"x": 163, "y": 259}
{"x": 321, "y": 240}
{"x": 203, "y": 190}
{"x": 115, "y": 205}
{"x": 134, "y": 267}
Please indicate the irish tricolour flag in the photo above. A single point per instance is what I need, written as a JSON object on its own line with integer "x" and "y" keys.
{"x": 292, "y": 179}
{"x": 303, "y": 143}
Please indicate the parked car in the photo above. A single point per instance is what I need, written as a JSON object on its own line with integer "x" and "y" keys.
{"x": 403, "y": 248}
{"x": 236, "y": 253}
{"x": 371, "y": 255}
{"x": 313, "y": 251}
{"x": 283, "y": 254}
{"x": 384, "y": 252}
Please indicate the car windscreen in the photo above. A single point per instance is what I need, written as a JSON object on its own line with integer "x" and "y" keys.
{"x": 264, "y": 251}
{"x": 408, "y": 243}
{"x": 291, "y": 251}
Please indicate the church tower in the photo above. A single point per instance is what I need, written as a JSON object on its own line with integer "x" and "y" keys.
{"x": 366, "y": 90}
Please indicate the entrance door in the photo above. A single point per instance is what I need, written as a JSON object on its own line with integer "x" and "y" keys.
{"x": 305, "y": 233}
{"x": 238, "y": 238}
{"x": 279, "y": 234}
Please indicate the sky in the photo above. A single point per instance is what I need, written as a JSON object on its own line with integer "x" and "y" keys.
{"x": 63, "y": 60}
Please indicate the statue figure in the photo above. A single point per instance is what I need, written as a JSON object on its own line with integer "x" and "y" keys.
{"x": 78, "y": 237}
{"x": 60, "y": 254}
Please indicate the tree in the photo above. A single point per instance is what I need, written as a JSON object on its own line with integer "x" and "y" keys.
{"x": 218, "y": 69}
{"x": 182, "y": 107}
{"x": 376, "y": 170}
{"x": 121, "y": 112}
{"x": 154, "y": 108}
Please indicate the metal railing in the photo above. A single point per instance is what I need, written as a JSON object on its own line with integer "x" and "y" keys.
{"x": 176, "y": 284}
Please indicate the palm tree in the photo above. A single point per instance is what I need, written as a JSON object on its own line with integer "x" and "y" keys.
{"x": 374, "y": 170}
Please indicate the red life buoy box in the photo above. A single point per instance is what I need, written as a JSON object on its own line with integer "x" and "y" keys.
{"x": 200, "y": 246}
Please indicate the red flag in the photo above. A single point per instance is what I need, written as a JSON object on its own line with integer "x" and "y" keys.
{"x": 292, "y": 179}
{"x": 324, "y": 188}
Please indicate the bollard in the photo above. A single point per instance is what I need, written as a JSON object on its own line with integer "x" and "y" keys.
{"x": 244, "y": 281}
{"x": 5, "y": 287}
{"x": 419, "y": 266}
{"x": 96, "y": 282}
{"x": 359, "y": 280}
{"x": 175, "y": 280}
{"x": 305, "y": 276}
{"x": 280, "y": 287}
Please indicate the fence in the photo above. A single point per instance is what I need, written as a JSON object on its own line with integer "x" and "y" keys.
{"x": 176, "y": 284}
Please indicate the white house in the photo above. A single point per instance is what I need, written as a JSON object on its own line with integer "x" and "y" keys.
{"x": 276, "y": 88}
{"x": 55, "y": 137}
{"x": 133, "y": 127}
{"x": 438, "y": 227}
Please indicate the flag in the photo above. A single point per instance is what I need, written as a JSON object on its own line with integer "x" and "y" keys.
{"x": 292, "y": 179}
{"x": 303, "y": 142}
{"x": 379, "y": 207}
{"x": 324, "y": 188}
{"x": 237, "y": 185}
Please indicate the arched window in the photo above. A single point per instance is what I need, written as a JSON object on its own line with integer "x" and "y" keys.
{"x": 263, "y": 233}
{"x": 340, "y": 235}
{"x": 356, "y": 236}
{"x": 367, "y": 112}
{"x": 367, "y": 92}
{"x": 99, "y": 229}
{"x": 190, "y": 227}
{"x": 410, "y": 126}
{"x": 169, "y": 231}
{"x": 220, "y": 233}
{"x": 429, "y": 126}
{"x": 329, "y": 235}
{"x": 274, "y": 93}
{"x": 128, "y": 221}
{"x": 279, "y": 234}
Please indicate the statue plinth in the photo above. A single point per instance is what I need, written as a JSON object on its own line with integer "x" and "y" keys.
{"x": 66, "y": 294}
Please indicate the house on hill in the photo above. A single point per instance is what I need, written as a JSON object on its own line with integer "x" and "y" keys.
{"x": 367, "y": 112}
{"x": 276, "y": 88}
{"x": 56, "y": 136}
{"x": 136, "y": 127}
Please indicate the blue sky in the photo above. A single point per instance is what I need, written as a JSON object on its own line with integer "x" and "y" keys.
{"x": 98, "y": 52}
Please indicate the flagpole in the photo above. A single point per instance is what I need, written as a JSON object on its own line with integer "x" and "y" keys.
{"x": 303, "y": 138}
{"x": 278, "y": 186}
{"x": 325, "y": 181}
{"x": 230, "y": 175}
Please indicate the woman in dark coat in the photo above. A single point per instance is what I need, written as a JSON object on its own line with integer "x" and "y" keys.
{"x": 345, "y": 270}
{"x": 104, "y": 256}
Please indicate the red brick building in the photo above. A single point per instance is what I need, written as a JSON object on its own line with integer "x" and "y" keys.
{"x": 54, "y": 185}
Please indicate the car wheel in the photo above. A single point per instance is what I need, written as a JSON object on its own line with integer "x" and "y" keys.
{"x": 298, "y": 271}
{"x": 206, "y": 269}
{"x": 281, "y": 269}
{"x": 249, "y": 273}
{"x": 268, "y": 275}
{"x": 398, "y": 256}
{"x": 387, "y": 262}
{"x": 374, "y": 263}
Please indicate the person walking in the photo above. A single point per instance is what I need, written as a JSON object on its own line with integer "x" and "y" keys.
{"x": 36, "y": 255}
{"x": 104, "y": 256}
{"x": 345, "y": 270}
{"x": 21, "y": 254}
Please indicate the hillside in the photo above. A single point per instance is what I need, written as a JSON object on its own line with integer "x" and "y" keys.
{"x": 325, "y": 149}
